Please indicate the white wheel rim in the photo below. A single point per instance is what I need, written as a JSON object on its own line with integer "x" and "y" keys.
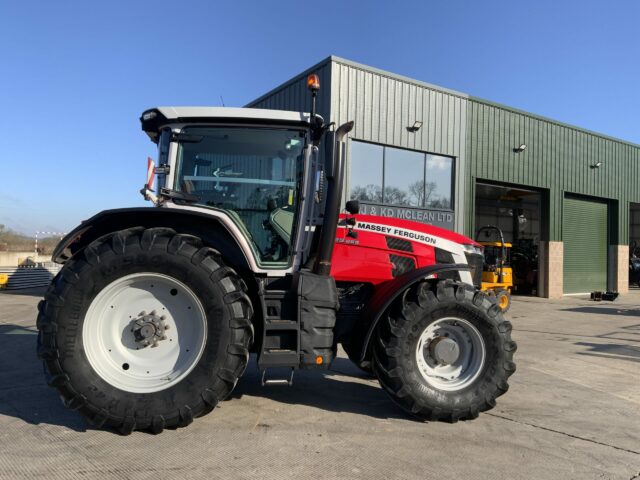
{"x": 111, "y": 346}
{"x": 465, "y": 368}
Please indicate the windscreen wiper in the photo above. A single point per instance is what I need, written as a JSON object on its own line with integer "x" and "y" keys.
{"x": 178, "y": 197}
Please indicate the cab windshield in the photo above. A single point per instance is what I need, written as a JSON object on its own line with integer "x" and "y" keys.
{"x": 253, "y": 174}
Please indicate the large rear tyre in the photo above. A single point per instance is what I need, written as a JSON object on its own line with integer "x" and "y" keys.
{"x": 145, "y": 329}
{"x": 444, "y": 352}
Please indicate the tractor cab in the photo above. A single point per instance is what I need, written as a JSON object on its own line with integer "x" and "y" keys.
{"x": 497, "y": 274}
{"x": 250, "y": 168}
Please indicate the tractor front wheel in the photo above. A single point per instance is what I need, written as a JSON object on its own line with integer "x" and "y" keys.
{"x": 444, "y": 352}
{"x": 145, "y": 329}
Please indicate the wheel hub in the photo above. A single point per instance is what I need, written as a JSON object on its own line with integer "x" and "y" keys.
{"x": 450, "y": 353}
{"x": 444, "y": 350}
{"x": 148, "y": 329}
{"x": 134, "y": 313}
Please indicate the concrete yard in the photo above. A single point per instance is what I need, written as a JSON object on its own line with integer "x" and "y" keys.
{"x": 573, "y": 412}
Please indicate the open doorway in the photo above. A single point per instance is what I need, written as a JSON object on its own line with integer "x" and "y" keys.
{"x": 515, "y": 211}
{"x": 634, "y": 245}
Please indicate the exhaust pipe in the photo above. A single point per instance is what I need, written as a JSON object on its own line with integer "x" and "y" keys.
{"x": 335, "y": 180}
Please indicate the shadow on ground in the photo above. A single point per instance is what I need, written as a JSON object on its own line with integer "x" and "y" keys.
{"x": 24, "y": 393}
{"x": 611, "y": 350}
{"x": 343, "y": 388}
{"x": 29, "y": 292}
{"x": 605, "y": 310}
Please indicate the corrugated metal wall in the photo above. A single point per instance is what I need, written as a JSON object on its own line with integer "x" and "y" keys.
{"x": 558, "y": 158}
{"x": 294, "y": 94}
{"x": 383, "y": 105}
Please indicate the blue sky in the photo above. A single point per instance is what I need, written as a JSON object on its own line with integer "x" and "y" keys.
{"x": 75, "y": 75}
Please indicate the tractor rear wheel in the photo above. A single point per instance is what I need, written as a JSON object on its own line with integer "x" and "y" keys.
{"x": 145, "y": 329}
{"x": 444, "y": 352}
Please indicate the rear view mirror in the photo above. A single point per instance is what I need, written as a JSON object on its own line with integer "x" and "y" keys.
{"x": 353, "y": 207}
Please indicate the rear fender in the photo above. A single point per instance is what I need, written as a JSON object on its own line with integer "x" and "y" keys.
{"x": 387, "y": 293}
{"x": 209, "y": 228}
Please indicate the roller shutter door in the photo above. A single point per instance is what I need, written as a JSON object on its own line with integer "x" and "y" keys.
{"x": 584, "y": 232}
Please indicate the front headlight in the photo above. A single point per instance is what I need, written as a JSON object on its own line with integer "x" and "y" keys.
{"x": 472, "y": 249}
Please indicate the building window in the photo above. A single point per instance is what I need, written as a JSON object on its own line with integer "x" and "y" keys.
{"x": 439, "y": 180}
{"x": 403, "y": 178}
{"x": 367, "y": 161}
{"x": 395, "y": 176}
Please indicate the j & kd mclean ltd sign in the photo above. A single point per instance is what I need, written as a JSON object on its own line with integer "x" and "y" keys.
{"x": 438, "y": 218}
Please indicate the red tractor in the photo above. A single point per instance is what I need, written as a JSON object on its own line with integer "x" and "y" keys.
{"x": 152, "y": 319}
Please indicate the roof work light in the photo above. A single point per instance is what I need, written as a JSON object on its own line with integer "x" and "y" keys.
{"x": 313, "y": 82}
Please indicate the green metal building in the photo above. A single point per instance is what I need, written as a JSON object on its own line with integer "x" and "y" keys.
{"x": 567, "y": 198}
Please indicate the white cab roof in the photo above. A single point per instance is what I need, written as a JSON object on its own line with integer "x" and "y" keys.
{"x": 177, "y": 113}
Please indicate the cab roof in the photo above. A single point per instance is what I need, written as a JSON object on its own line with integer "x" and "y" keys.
{"x": 154, "y": 119}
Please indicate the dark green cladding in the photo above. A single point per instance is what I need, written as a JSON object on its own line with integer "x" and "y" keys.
{"x": 558, "y": 160}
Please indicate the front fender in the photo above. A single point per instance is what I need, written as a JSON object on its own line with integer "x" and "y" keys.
{"x": 387, "y": 293}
